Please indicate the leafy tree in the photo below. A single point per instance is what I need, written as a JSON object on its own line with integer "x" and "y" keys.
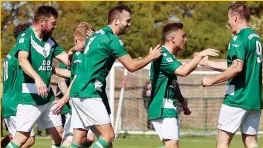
{"x": 205, "y": 23}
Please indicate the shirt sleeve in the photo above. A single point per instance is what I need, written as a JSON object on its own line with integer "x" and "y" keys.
{"x": 23, "y": 42}
{"x": 62, "y": 65}
{"x": 76, "y": 61}
{"x": 116, "y": 48}
{"x": 237, "y": 50}
{"x": 169, "y": 64}
{"x": 57, "y": 49}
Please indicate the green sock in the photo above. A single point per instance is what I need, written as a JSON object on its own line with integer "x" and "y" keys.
{"x": 100, "y": 144}
{"x": 87, "y": 144}
{"x": 55, "y": 146}
{"x": 11, "y": 144}
{"x": 74, "y": 145}
{"x": 257, "y": 147}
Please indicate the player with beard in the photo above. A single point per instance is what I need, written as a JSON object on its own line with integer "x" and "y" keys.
{"x": 90, "y": 108}
{"x": 35, "y": 51}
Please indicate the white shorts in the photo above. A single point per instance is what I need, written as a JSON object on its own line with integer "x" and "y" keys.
{"x": 88, "y": 112}
{"x": 28, "y": 115}
{"x": 167, "y": 128}
{"x": 68, "y": 130}
{"x": 232, "y": 118}
{"x": 11, "y": 125}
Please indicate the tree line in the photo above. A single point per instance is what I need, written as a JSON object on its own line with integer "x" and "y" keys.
{"x": 205, "y": 23}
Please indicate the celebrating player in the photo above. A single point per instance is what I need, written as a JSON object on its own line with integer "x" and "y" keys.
{"x": 242, "y": 104}
{"x": 88, "y": 90}
{"x": 162, "y": 110}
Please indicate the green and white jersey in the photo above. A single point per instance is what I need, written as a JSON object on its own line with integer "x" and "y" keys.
{"x": 77, "y": 62}
{"x": 163, "y": 99}
{"x": 41, "y": 53}
{"x": 101, "y": 50}
{"x": 244, "y": 90}
{"x": 11, "y": 78}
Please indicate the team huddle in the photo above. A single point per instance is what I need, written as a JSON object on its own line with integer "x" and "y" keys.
{"x": 81, "y": 96}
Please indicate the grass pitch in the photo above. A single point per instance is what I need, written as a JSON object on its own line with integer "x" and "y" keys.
{"x": 146, "y": 141}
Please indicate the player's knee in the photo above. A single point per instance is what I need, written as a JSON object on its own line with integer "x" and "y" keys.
{"x": 60, "y": 131}
{"x": 250, "y": 141}
{"x": 223, "y": 138}
{"x": 109, "y": 137}
{"x": 21, "y": 137}
{"x": 29, "y": 143}
{"x": 91, "y": 138}
{"x": 56, "y": 134}
{"x": 171, "y": 143}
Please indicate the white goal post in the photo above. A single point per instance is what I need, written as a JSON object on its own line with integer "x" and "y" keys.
{"x": 129, "y": 116}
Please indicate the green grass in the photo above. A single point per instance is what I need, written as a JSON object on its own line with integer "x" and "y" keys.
{"x": 140, "y": 141}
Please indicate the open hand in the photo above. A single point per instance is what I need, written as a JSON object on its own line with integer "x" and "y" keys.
{"x": 58, "y": 105}
{"x": 208, "y": 52}
{"x": 156, "y": 52}
{"x": 89, "y": 33}
{"x": 41, "y": 88}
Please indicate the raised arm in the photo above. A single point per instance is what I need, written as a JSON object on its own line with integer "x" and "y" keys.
{"x": 187, "y": 68}
{"x": 61, "y": 72}
{"x": 231, "y": 72}
{"x": 136, "y": 64}
{"x": 217, "y": 66}
{"x": 64, "y": 58}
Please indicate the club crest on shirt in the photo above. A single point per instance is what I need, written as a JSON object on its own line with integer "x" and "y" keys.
{"x": 21, "y": 40}
{"x": 45, "y": 52}
{"x": 169, "y": 59}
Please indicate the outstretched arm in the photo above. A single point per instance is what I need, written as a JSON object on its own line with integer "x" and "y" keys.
{"x": 67, "y": 57}
{"x": 187, "y": 68}
{"x": 229, "y": 73}
{"x": 217, "y": 66}
{"x": 64, "y": 73}
{"x": 134, "y": 64}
